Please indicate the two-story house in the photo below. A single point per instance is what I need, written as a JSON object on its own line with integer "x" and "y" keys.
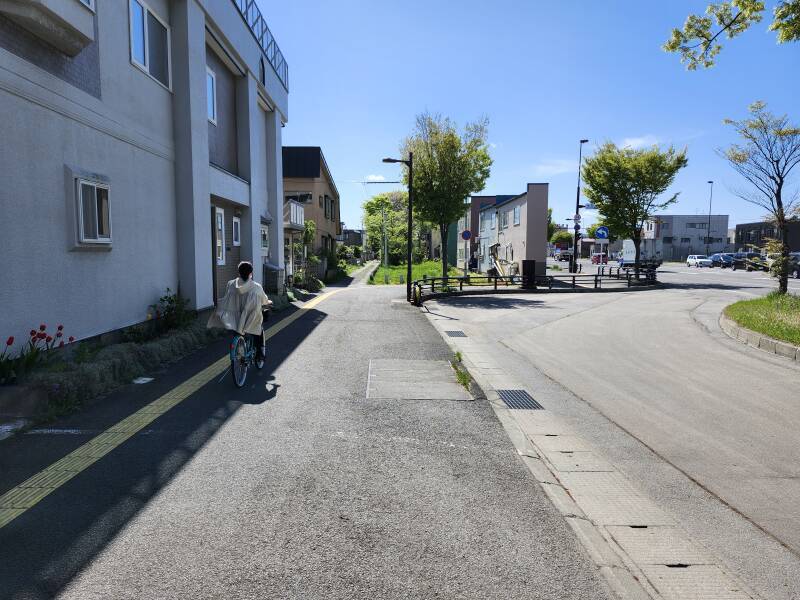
{"x": 309, "y": 194}
{"x": 141, "y": 149}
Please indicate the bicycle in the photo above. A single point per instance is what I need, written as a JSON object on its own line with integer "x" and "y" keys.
{"x": 243, "y": 356}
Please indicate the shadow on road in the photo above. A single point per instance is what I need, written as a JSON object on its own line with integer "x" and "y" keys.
{"x": 43, "y": 549}
{"x": 712, "y": 286}
{"x": 491, "y": 302}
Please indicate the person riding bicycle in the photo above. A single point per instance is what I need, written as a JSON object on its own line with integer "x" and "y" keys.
{"x": 241, "y": 309}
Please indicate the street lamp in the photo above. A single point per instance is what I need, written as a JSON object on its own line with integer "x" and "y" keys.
{"x": 708, "y": 229}
{"x": 410, "y": 164}
{"x": 577, "y": 217}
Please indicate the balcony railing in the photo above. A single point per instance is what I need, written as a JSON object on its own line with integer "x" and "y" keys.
{"x": 258, "y": 26}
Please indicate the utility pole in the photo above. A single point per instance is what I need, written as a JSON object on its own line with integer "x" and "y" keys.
{"x": 708, "y": 229}
{"x": 577, "y": 216}
{"x": 410, "y": 164}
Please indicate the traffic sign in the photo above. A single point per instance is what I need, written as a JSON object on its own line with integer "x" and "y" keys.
{"x": 576, "y": 218}
{"x": 466, "y": 234}
{"x": 601, "y": 233}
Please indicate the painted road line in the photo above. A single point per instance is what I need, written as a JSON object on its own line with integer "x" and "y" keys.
{"x": 27, "y": 494}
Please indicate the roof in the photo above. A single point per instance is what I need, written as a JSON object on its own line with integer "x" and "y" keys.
{"x": 500, "y": 200}
{"x": 306, "y": 162}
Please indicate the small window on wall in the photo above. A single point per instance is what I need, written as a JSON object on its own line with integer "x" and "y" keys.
{"x": 94, "y": 216}
{"x": 262, "y": 72}
{"x": 219, "y": 236}
{"x": 150, "y": 42}
{"x": 264, "y": 240}
{"x": 211, "y": 96}
{"x": 517, "y": 211}
{"x": 237, "y": 231}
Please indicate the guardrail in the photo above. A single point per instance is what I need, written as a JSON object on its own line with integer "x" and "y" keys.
{"x": 423, "y": 289}
{"x": 258, "y": 26}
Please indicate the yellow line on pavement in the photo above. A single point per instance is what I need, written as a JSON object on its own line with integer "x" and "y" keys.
{"x": 27, "y": 494}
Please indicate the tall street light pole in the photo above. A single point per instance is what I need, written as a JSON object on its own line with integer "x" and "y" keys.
{"x": 708, "y": 227}
{"x": 410, "y": 164}
{"x": 577, "y": 217}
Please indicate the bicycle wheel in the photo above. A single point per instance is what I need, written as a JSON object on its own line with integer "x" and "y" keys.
{"x": 239, "y": 361}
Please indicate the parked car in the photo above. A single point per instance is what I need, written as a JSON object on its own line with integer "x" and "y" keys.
{"x": 749, "y": 261}
{"x": 794, "y": 265}
{"x": 722, "y": 259}
{"x": 599, "y": 258}
{"x": 698, "y": 260}
{"x": 566, "y": 255}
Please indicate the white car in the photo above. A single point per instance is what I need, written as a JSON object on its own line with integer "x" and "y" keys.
{"x": 698, "y": 260}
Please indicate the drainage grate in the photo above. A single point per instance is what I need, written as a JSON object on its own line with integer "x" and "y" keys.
{"x": 519, "y": 399}
{"x": 456, "y": 333}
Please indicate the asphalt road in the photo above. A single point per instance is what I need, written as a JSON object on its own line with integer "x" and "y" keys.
{"x": 707, "y": 426}
{"x": 296, "y": 486}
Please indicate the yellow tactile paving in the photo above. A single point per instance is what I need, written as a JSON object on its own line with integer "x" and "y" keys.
{"x": 27, "y": 494}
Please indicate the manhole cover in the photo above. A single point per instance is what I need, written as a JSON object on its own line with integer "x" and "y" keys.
{"x": 456, "y": 333}
{"x": 519, "y": 399}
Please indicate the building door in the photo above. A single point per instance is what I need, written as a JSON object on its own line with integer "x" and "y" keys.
{"x": 214, "y": 251}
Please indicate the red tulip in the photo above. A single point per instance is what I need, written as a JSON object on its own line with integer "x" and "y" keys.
{"x": 59, "y": 334}
{"x": 33, "y": 333}
{"x": 41, "y": 335}
{"x": 61, "y": 345}
{"x": 10, "y": 341}
{"x": 60, "y": 327}
{"x": 71, "y": 339}
{"x": 42, "y": 327}
{"x": 48, "y": 339}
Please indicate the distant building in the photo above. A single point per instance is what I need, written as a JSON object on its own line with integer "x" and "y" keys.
{"x": 352, "y": 237}
{"x": 682, "y": 235}
{"x": 514, "y": 229}
{"x": 755, "y": 235}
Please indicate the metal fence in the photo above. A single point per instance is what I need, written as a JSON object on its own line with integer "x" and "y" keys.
{"x": 258, "y": 26}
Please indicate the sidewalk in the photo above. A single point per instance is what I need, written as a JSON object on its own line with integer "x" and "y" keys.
{"x": 353, "y": 466}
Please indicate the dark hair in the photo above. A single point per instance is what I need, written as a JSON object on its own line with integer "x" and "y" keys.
{"x": 245, "y": 270}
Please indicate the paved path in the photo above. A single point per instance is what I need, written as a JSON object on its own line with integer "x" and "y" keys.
{"x": 706, "y": 426}
{"x": 297, "y": 486}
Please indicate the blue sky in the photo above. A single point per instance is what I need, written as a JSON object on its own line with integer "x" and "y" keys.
{"x": 545, "y": 73}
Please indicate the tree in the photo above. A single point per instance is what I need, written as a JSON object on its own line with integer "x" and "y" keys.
{"x": 561, "y": 236}
{"x": 625, "y": 184}
{"x": 770, "y": 152}
{"x": 698, "y": 43}
{"x": 449, "y": 166}
{"x": 551, "y": 227}
{"x": 387, "y": 210}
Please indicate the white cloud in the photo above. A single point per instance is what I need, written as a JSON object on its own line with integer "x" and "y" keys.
{"x": 636, "y": 143}
{"x": 375, "y": 178}
{"x": 555, "y": 166}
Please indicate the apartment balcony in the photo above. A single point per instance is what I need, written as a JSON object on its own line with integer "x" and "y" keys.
{"x": 68, "y": 25}
{"x": 293, "y": 216}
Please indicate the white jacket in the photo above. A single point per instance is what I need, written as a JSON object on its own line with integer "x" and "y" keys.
{"x": 240, "y": 309}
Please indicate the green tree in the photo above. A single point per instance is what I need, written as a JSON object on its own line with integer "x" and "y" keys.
{"x": 769, "y": 153}
{"x": 699, "y": 41}
{"x": 625, "y": 184}
{"x": 551, "y": 227}
{"x": 389, "y": 211}
{"x": 561, "y": 236}
{"x": 449, "y": 166}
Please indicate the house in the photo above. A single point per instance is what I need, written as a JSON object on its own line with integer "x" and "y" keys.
{"x": 435, "y": 243}
{"x": 144, "y": 151}
{"x": 682, "y": 235}
{"x": 309, "y": 194}
{"x": 755, "y": 235}
{"x": 352, "y": 237}
{"x": 514, "y": 229}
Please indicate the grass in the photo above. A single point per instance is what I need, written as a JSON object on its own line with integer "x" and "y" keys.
{"x": 462, "y": 375}
{"x": 776, "y": 315}
{"x": 429, "y": 268}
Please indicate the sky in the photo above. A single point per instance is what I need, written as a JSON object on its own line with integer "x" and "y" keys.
{"x": 546, "y": 74}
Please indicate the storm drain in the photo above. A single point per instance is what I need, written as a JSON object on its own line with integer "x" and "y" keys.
{"x": 456, "y": 333}
{"x": 519, "y": 399}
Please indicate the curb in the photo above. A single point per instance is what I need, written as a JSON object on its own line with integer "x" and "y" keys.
{"x": 758, "y": 340}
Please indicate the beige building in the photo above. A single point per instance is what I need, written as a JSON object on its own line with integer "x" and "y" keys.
{"x": 309, "y": 194}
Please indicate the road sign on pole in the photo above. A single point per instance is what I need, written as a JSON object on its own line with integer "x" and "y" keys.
{"x": 601, "y": 233}
{"x": 466, "y": 234}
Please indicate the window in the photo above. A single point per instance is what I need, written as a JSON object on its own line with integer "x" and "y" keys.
{"x": 211, "y": 95}
{"x": 691, "y": 226}
{"x": 517, "y": 211}
{"x": 94, "y": 221}
{"x": 302, "y": 197}
{"x": 265, "y": 240}
{"x": 150, "y": 42}
{"x": 219, "y": 242}
{"x": 493, "y": 221}
{"x": 664, "y": 225}
{"x": 320, "y": 201}
{"x": 237, "y": 231}
{"x": 88, "y": 3}
{"x": 262, "y": 72}
{"x": 296, "y": 214}
{"x": 327, "y": 207}
{"x": 667, "y": 240}
{"x": 504, "y": 219}
{"x": 333, "y": 209}
{"x": 685, "y": 240}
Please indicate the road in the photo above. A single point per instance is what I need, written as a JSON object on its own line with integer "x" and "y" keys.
{"x": 296, "y": 486}
{"x": 707, "y": 426}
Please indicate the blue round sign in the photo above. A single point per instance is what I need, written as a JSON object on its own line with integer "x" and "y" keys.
{"x": 601, "y": 233}
{"x": 466, "y": 234}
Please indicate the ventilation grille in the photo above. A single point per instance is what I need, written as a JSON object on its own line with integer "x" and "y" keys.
{"x": 456, "y": 333}
{"x": 519, "y": 399}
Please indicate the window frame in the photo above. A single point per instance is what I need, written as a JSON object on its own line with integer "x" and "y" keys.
{"x": 236, "y": 231}
{"x": 82, "y": 239}
{"x": 213, "y": 100}
{"x": 145, "y": 68}
{"x": 217, "y": 212}
{"x": 517, "y": 215}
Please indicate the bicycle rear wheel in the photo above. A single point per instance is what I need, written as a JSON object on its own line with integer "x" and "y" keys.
{"x": 239, "y": 361}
